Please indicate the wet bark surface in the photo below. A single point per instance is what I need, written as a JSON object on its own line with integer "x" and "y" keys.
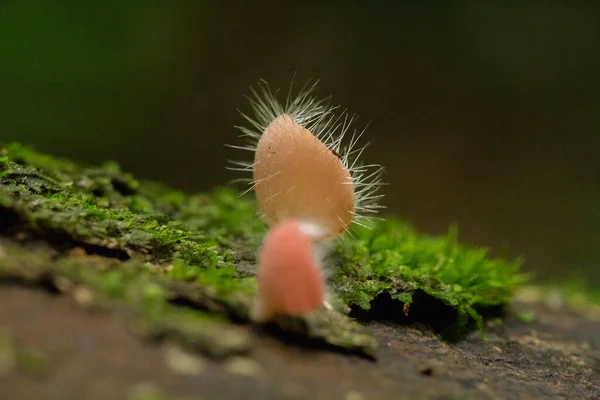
{"x": 54, "y": 349}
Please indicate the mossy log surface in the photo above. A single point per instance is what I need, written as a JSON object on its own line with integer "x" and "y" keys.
{"x": 179, "y": 269}
{"x": 167, "y": 251}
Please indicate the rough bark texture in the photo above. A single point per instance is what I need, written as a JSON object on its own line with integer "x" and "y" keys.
{"x": 112, "y": 288}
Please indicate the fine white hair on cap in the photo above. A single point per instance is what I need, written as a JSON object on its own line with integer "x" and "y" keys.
{"x": 306, "y": 163}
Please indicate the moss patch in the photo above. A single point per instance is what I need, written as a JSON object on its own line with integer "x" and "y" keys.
{"x": 392, "y": 259}
{"x": 131, "y": 289}
{"x": 197, "y": 251}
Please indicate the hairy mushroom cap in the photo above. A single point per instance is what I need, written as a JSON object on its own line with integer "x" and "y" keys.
{"x": 307, "y": 163}
{"x": 290, "y": 280}
{"x": 297, "y": 176}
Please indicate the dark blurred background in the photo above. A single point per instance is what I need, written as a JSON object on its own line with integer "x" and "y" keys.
{"x": 485, "y": 114}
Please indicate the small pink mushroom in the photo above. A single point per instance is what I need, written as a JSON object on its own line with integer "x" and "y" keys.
{"x": 290, "y": 281}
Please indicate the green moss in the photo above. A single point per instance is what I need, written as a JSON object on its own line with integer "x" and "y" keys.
{"x": 527, "y": 317}
{"x": 331, "y": 328}
{"x": 391, "y": 257}
{"x": 52, "y": 165}
{"x": 200, "y": 249}
{"x": 143, "y": 296}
